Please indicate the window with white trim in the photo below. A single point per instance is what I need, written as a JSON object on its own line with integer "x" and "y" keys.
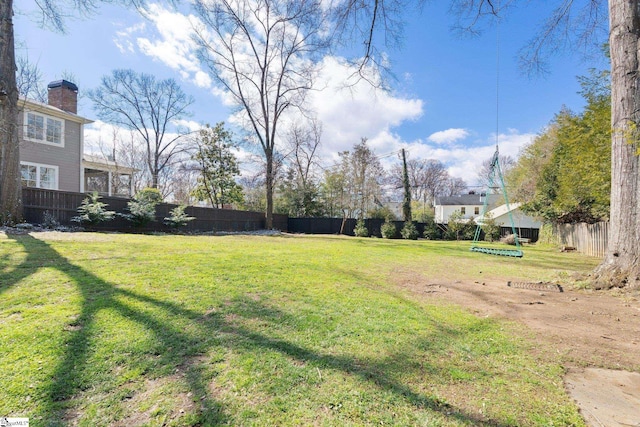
{"x": 44, "y": 129}
{"x": 40, "y": 176}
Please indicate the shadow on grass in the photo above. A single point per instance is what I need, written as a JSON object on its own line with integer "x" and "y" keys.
{"x": 96, "y": 295}
{"x": 177, "y": 345}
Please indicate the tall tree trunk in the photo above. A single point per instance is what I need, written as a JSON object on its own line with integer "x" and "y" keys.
{"x": 269, "y": 188}
{"x": 154, "y": 172}
{"x": 620, "y": 266}
{"x": 406, "y": 203}
{"x": 10, "y": 185}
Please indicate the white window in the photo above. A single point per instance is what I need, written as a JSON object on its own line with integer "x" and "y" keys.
{"x": 29, "y": 175}
{"x": 44, "y": 129}
{"x": 40, "y": 176}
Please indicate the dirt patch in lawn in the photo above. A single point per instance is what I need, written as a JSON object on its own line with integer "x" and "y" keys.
{"x": 594, "y": 334}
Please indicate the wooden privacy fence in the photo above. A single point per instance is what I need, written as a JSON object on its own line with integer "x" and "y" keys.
{"x": 63, "y": 206}
{"x": 589, "y": 239}
{"x": 334, "y": 226}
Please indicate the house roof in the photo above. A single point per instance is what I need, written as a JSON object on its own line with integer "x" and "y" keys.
{"x": 52, "y": 111}
{"x": 467, "y": 200}
{"x": 101, "y": 163}
{"x": 499, "y": 211}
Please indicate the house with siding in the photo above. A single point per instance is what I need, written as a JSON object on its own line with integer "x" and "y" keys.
{"x": 471, "y": 208}
{"x": 501, "y": 216}
{"x": 52, "y": 147}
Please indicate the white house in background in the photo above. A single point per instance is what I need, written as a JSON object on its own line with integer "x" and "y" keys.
{"x": 471, "y": 205}
{"x": 501, "y": 215}
{"x": 52, "y": 147}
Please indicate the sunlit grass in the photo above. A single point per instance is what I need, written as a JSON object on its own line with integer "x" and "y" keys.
{"x": 104, "y": 329}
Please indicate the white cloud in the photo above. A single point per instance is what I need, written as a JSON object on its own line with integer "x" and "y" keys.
{"x": 349, "y": 108}
{"x": 123, "y": 38}
{"x": 168, "y": 41}
{"x": 124, "y": 45}
{"x": 100, "y": 137}
{"x": 225, "y": 97}
{"x": 448, "y": 136}
{"x": 349, "y": 113}
{"x": 190, "y": 125}
{"x": 202, "y": 79}
{"x": 465, "y": 161}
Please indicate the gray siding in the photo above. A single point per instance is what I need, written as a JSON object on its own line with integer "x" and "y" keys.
{"x": 68, "y": 158}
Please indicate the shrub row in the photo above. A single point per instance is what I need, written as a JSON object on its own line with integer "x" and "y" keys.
{"x": 388, "y": 230}
{"x": 141, "y": 210}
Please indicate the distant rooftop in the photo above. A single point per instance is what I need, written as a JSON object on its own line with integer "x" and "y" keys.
{"x": 467, "y": 200}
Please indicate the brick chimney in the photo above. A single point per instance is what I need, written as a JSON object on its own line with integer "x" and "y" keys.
{"x": 63, "y": 95}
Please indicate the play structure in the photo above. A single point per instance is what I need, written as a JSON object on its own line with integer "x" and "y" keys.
{"x": 495, "y": 177}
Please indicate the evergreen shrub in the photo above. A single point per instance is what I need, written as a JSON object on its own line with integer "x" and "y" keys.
{"x": 178, "y": 217}
{"x": 388, "y": 230}
{"x": 409, "y": 231}
{"x": 142, "y": 209}
{"x": 361, "y": 230}
{"x": 93, "y": 211}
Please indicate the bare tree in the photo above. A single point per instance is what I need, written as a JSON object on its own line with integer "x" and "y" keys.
{"x": 571, "y": 26}
{"x": 129, "y": 152}
{"x": 433, "y": 179}
{"x": 334, "y": 191}
{"x": 29, "y": 80}
{"x": 303, "y": 141}
{"x": 298, "y": 191}
{"x": 579, "y": 24}
{"x": 484, "y": 175}
{"x": 406, "y": 202}
{"x": 259, "y": 53}
{"x": 454, "y": 186}
{"x": 364, "y": 174}
{"x": 428, "y": 178}
{"x": 150, "y": 108}
{"x": 364, "y": 22}
{"x": 183, "y": 181}
{"x": 253, "y": 190}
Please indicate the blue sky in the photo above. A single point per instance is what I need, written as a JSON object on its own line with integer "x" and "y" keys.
{"x": 442, "y": 102}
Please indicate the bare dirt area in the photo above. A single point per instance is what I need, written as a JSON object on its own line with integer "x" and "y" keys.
{"x": 595, "y": 335}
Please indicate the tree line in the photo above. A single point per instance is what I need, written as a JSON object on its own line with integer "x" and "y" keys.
{"x": 201, "y": 166}
{"x": 564, "y": 174}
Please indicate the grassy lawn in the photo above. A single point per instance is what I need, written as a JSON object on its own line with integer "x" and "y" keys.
{"x": 112, "y": 329}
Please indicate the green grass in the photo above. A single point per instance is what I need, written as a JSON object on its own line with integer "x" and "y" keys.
{"x": 111, "y": 329}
